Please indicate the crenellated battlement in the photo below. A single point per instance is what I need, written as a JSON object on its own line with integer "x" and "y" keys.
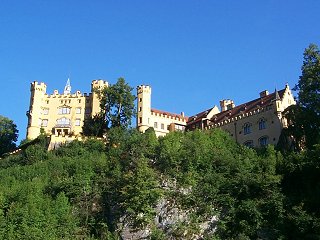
{"x": 143, "y": 88}
{"x": 98, "y": 84}
{"x": 38, "y": 86}
{"x": 78, "y": 94}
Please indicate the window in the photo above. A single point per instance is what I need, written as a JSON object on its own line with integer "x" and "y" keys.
{"x": 88, "y": 110}
{"x": 140, "y": 109}
{"x": 262, "y": 124}
{"x": 44, "y": 123}
{"x": 45, "y": 111}
{"x": 263, "y": 141}
{"x": 247, "y": 128}
{"x": 269, "y": 107}
{"x": 63, "y": 121}
{"x": 162, "y": 126}
{"x": 78, "y": 110}
{"x": 155, "y": 125}
{"x": 78, "y": 121}
{"x": 79, "y": 100}
{"x": 178, "y": 127}
{"x": 47, "y": 101}
{"x": 140, "y": 99}
{"x": 64, "y": 110}
{"x": 140, "y": 119}
{"x": 248, "y": 143}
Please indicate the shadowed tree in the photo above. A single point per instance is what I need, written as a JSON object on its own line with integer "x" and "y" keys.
{"x": 8, "y": 135}
{"x": 304, "y": 118}
{"x": 309, "y": 82}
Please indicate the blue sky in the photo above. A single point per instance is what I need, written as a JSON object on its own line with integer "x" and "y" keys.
{"x": 193, "y": 53}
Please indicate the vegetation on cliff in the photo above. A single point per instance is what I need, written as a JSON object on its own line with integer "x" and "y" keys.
{"x": 85, "y": 189}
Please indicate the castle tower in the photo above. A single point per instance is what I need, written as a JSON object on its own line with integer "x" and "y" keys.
{"x": 144, "y": 107}
{"x": 277, "y": 104}
{"x": 226, "y": 104}
{"x": 95, "y": 102}
{"x": 38, "y": 92}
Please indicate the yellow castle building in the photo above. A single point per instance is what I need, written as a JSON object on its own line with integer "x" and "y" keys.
{"x": 163, "y": 122}
{"x": 255, "y": 123}
{"x": 61, "y": 115}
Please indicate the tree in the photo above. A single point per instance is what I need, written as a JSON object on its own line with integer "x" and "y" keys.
{"x": 94, "y": 126}
{"x": 309, "y": 82}
{"x": 8, "y": 135}
{"x": 117, "y": 104}
{"x": 304, "y": 118}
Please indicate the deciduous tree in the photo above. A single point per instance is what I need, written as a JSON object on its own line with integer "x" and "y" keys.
{"x": 117, "y": 104}
{"x": 8, "y": 135}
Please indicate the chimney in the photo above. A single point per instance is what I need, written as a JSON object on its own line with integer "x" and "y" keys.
{"x": 264, "y": 93}
{"x": 182, "y": 114}
{"x": 226, "y": 104}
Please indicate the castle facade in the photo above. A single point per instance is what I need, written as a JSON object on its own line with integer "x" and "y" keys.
{"x": 61, "y": 115}
{"x": 255, "y": 123}
{"x": 163, "y": 122}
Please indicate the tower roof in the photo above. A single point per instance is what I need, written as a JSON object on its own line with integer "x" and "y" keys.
{"x": 67, "y": 88}
{"x": 277, "y": 97}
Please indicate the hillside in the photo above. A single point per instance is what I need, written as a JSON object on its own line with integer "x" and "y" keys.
{"x": 193, "y": 185}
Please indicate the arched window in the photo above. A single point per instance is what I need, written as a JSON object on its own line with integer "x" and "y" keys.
{"x": 248, "y": 143}
{"x": 63, "y": 121}
{"x": 263, "y": 141}
{"x": 262, "y": 123}
{"x": 247, "y": 128}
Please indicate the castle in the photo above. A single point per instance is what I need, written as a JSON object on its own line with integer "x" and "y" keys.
{"x": 162, "y": 122}
{"x": 61, "y": 115}
{"x": 255, "y": 123}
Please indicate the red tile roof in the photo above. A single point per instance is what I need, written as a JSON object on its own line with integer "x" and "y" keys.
{"x": 241, "y": 109}
{"x": 174, "y": 115}
{"x": 198, "y": 117}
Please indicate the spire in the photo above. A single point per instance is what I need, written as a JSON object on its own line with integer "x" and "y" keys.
{"x": 277, "y": 97}
{"x": 67, "y": 88}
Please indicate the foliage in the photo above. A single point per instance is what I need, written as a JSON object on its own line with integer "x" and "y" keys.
{"x": 94, "y": 126}
{"x": 88, "y": 189}
{"x": 304, "y": 118}
{"x": 302, "y": 131}
{"x": 117, "y": 104}
{"x": 117, "y": 109}
{"x": 301, "y": 186}
{"x": 8, "y": 135}
{"x": 309, "y": 82}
